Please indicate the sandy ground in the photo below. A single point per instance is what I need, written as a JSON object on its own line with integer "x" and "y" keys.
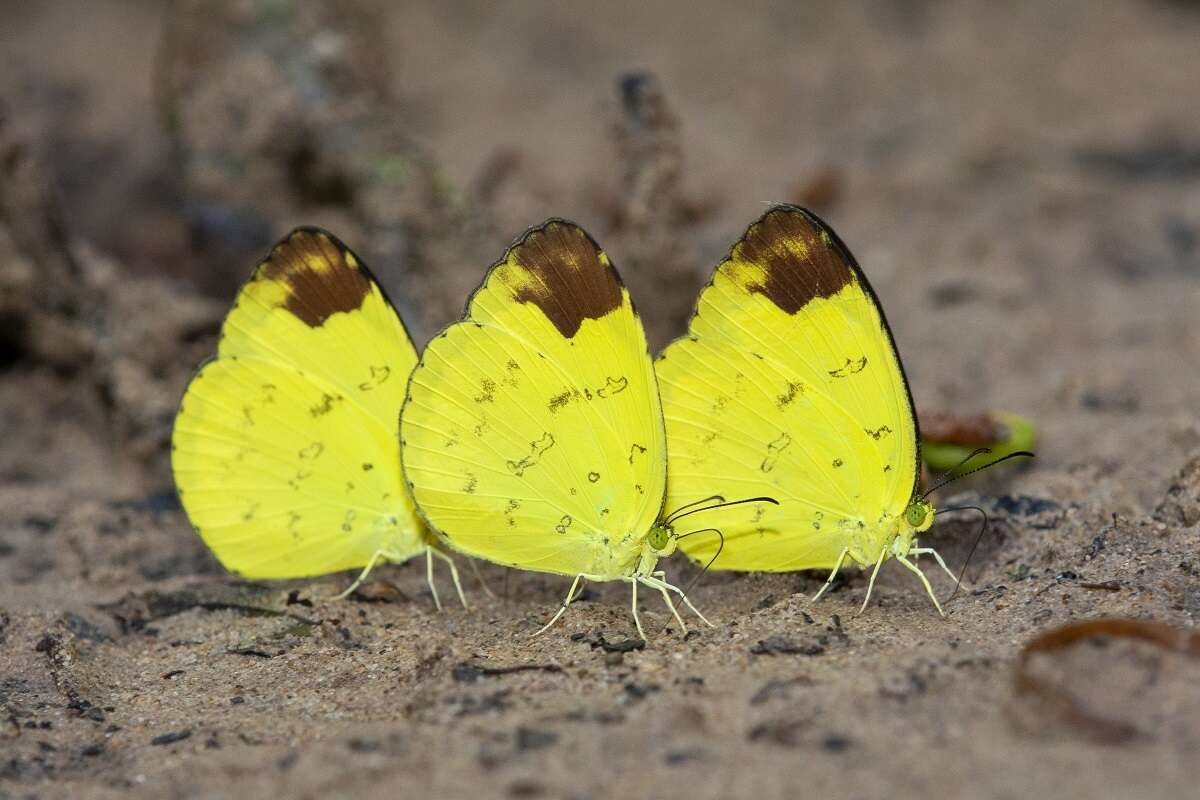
{"x": 1022, "y": 186}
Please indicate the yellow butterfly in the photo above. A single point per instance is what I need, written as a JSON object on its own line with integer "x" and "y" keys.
{"x": 788, "y": 383}
{"x": 285, "y": 449}
{"x": 532, "y": 434}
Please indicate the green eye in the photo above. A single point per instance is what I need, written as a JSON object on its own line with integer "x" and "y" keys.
{"x": 659, "y": 536}
{"x": 916, "y": 513}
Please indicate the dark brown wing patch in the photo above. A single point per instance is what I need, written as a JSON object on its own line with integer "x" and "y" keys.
{"x": 563, "y": 272}
{"x": 800, "y": 258}
{"x": 322, "y": 277}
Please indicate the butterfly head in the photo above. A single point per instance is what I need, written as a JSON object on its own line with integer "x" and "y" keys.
{"x": 661, "y": 540}
{"x": 919, "y": 515}
{"x": 659, "y": 543}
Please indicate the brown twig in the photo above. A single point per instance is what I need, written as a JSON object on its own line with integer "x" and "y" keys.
{"x": 1101, "y": 728}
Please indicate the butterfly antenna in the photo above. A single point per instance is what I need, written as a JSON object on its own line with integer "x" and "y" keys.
{"x": 723, "y": 504}
{"x": 720, "y": 547}
{"x": 953, "y": 477}
{"x": 692, "y": 583}
{"x": 978, "y": 538}
{"x": 950, "y": 474}
{"x": 672, "y": 515}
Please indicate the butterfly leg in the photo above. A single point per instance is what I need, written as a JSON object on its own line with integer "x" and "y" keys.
{"x": 636, "y": 619}
{"x": 653, "y": 584}
{"x": 362, "y": 576}
{"x": 925, "y": 581}
{"x": 874, "y": 573}
{"x": 658, "y": 583}
{"x": 837, "y": 566}
{"x": 563, "y": 608}
{"x": 661, "y": 575}
{"x": 453, "y": 574}
{"x": 937, "y": 556}
{"x": 429, "y": 577}
{"x": 482, "y": 583}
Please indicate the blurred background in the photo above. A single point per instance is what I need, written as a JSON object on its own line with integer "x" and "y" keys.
{"x": 1020, "y": 181}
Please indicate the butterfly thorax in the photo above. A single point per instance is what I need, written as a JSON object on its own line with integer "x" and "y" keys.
{"x": 632, "y": 554}
{"x": 659, "y": 543}
{"x": 893, "y": 536}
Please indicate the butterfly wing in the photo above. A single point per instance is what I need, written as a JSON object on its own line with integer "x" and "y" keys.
{"x": 532, "y": 434}
{"x": 788, "y": 384}
{"x": 285, "y": 449}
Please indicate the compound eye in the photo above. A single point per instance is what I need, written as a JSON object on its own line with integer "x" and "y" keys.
{"x": 914, "y": 515}
{"x": 659, "y": 536}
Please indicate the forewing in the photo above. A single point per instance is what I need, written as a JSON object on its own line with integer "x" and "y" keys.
{"x": 286, "y": 449}
{"x": 533, "y": 433}
{"x": 788, "y": 385}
